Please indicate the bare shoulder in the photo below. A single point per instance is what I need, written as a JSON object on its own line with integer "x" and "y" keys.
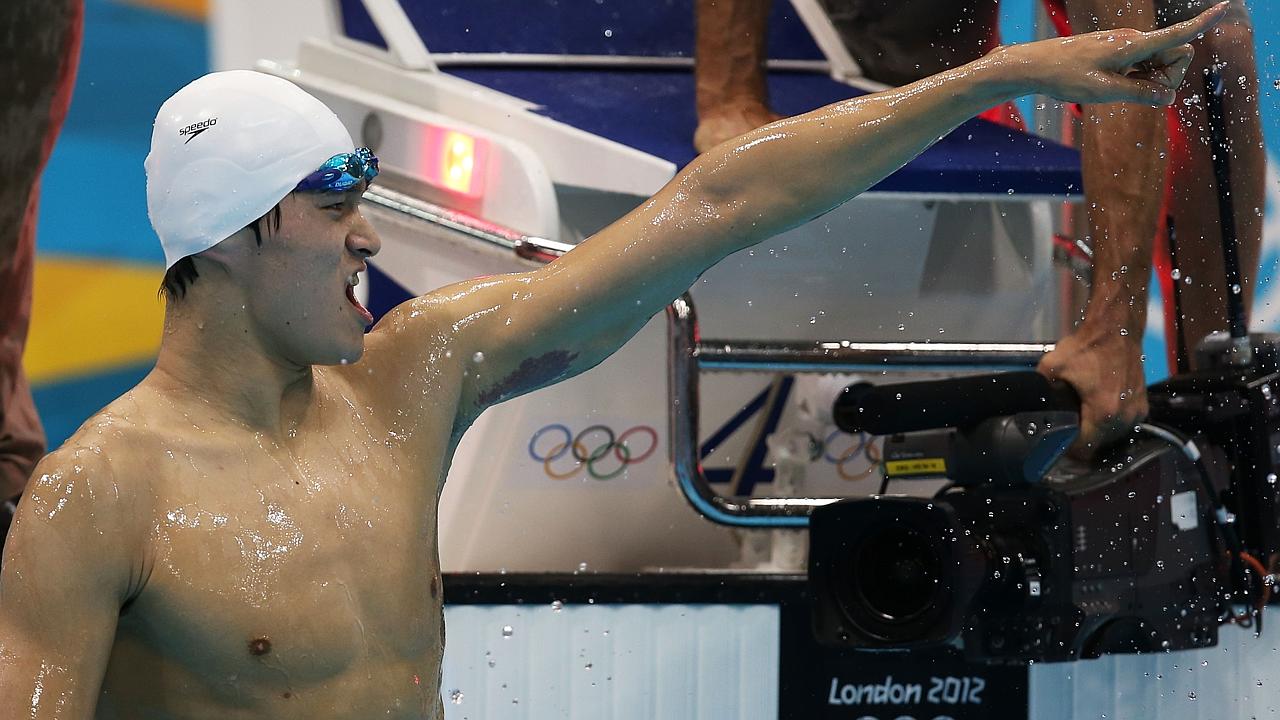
{"x": 424, "y": 318}
{"x": 105, "y": 471}
{"x": 96, "y": 475}
{"x": 416, "y": 346}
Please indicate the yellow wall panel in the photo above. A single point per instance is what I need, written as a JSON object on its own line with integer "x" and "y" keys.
{"x": 91, "y": 315}
{"x": 196, "y": 9}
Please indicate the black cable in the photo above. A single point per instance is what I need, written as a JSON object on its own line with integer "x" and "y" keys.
{"x": 1221, "y": 516}
{"x": 1237, "y": 318}
{"x": 1180, "y": 350}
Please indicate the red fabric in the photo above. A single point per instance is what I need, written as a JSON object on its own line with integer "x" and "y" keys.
{"x": 1057, "y": 10}
{"x": 21, "y": 435}
{"x": 1164, "y": 266}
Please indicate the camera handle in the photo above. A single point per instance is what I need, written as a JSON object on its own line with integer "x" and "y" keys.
{"x": 957, "y": 402}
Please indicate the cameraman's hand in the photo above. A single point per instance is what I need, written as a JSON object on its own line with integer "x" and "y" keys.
{"x": 1106, "y": 371}
{"x": 1120, "y": 65}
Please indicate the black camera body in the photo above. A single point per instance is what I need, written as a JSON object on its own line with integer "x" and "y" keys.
{"x": 1074, "y": 566}
{"x": 1022, "y": 556}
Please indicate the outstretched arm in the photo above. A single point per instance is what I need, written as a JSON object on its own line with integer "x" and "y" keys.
{"x": 529, "y": 329}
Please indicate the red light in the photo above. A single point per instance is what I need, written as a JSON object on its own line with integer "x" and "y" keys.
{"x": 456, "y": 161}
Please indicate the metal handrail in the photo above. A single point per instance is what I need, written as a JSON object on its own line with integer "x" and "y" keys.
{"x": 529, "y": 247}
{"x": 687, "y": 357}
{"x": 682, "y": 386}
{"x": 846, "y": 356}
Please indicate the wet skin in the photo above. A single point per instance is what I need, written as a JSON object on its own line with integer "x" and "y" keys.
{"x": 251, "y": 532}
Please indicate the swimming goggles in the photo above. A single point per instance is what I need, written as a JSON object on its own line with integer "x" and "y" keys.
{"x": 342, "y": 172}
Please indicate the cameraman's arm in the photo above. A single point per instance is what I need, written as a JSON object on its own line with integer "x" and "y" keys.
{"x": 1124, "y": 153}
{"x": 68, "y": 567}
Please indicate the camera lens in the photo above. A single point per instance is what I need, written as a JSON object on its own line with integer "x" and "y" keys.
{"x": 896, "y": 575}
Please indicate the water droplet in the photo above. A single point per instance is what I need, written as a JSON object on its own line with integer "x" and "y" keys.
{"x": 1176, "y": 274}
{"x": 1124, "y": 331}
{"x": 1235, "y": 289}
{"x": 507, "y": 631}
{"x": 1271, "y": 478}
{"x": 478, "y": 357}
{"x": 556, "y": 606}
{"x": 456, "y": 697}
{"x": 587, "y": 667}
{"x": 901, "y": 327}
{"x": 608, "y": 33}
{"x": 1191, "y": 695}
{"x": 582, "y": 567}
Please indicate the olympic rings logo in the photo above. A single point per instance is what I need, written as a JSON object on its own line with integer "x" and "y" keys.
{"x": 863, "y": 444}
{"x": 612, "y": 449}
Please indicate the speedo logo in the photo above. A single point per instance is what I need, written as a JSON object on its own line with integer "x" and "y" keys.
{"x": 194, "y": 129}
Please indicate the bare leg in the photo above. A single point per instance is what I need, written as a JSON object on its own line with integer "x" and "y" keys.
{"x": 730, "y": 74}
{"x": 1194, "y": 193}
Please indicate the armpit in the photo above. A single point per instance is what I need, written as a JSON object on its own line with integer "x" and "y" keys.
{"x": 534, "y": 372}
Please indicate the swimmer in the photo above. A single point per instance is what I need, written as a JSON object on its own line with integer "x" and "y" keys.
{"x": 1129, "y": 158}
{"x": 250, "y": 532}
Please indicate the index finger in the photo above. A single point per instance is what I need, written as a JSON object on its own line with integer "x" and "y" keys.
{"x": 1181, "y": 33}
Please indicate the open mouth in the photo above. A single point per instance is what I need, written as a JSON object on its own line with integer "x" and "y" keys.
{"x": 352, "y": 282}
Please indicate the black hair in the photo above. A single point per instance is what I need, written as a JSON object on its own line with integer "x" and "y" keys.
{"x": 183, "y": 273}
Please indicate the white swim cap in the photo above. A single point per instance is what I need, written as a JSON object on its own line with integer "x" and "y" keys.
{"x": 225, "y": 149}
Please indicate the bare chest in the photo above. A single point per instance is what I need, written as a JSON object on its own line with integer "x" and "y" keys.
{"x": 288, "y": 568}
